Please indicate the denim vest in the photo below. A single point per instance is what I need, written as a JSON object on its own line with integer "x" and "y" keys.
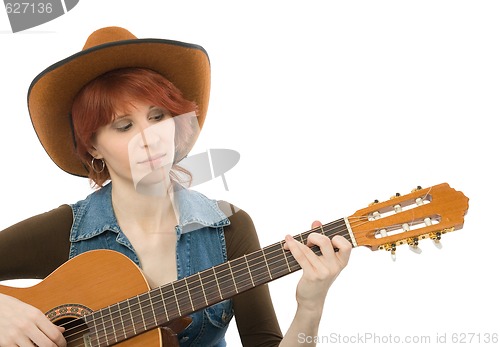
{"x": 200, "y": 245}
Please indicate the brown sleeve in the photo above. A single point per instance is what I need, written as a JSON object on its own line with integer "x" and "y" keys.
{"x": 254, "y": 311}
{"x": 36, "y": 246}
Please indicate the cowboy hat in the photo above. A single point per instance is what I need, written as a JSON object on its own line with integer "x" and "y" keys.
{"x": 51, "y": 94}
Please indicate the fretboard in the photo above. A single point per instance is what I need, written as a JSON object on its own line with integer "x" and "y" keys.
{"x": 159, "y": 306}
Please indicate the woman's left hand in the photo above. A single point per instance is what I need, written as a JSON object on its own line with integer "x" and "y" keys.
{"x": 319, "y": 272}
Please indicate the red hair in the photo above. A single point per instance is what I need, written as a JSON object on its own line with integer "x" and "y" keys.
{"x": 96, "y": 104}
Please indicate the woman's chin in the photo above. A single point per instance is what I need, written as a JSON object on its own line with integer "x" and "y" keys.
{"x": 156, "y": 183}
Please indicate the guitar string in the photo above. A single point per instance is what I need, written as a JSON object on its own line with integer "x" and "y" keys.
{"x": 351, "y": 219}
{"x": 222, "y": 281}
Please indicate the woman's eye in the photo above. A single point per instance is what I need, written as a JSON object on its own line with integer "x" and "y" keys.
{"x": 157, "y": 116}
{"x": 123, "y": 127}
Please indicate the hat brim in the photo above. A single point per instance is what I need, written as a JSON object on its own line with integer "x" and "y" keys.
{"x": 51, "y": 94}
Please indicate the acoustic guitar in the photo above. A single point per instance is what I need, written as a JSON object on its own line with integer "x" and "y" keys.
{"x": 103, "y": 299}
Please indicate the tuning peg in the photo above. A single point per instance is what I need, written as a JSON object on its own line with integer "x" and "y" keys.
{"x": 373, "y": 203}
{"x": 391, "y": 247}
{"x": 415, "y": 249}
{"x": 418, "y": 188}
{"x": 413, "y": 244}
{"x": 436, "y": 237}
{"x": 395, "y": 196}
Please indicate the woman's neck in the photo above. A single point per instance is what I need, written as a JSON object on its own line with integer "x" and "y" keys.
{"x": 150, "y": 210}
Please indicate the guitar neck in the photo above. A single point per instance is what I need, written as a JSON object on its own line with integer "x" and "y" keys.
{"x": 183, "y": 297}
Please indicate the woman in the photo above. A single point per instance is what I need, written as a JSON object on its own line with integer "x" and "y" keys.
{"x": 124, "y": 112}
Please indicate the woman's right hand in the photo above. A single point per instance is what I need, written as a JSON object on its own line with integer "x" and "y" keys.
{"x": 24, "y": 326}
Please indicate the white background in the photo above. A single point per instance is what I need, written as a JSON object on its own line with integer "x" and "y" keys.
{"x": 331, "y": 105}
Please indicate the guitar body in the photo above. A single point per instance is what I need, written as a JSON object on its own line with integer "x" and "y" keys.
{"x": 92, "y": 281}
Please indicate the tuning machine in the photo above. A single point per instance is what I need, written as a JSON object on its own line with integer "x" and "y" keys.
{"x": 416, "y": 189}
{"x": 395, "y": 196}
{"x": 413, "y": 244}
{"x": 436, "y": 237}
{"x": 373, "y": 202}
{"x": 392, "y": 248}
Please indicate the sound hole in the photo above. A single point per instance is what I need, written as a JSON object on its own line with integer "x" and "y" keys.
{"x": 71, "y": 318}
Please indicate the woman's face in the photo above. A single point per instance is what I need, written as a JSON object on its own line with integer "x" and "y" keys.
{"x": 138, "y": 145}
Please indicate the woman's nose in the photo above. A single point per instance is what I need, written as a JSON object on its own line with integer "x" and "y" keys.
{"x": 149, "y": 136}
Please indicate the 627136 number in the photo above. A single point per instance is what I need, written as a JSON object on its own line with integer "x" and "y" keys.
{"x": 26, "y": 7}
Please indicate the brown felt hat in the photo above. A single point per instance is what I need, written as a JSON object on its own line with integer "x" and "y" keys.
{"x": 51, "y": 94}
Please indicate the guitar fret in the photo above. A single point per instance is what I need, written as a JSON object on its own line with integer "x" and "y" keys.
{"x": 232, "y": 276}
{"x": 101, "y": 333}
{"x": 91, "y": 338}
{"x": 121, "y": 329}
{"x": 211, "y": 287}
{"x": 322, "y": 231}
{"x": 196, "y": 296}
{"x": 282, "y": 243}
{"x": 226, "y": 280}
{"x": 182, "y": 296}
{"x": 123, "y": 309}
{"x": 203, "y": 289}
{"x": 152, "y": 309}
{"x": 278, "y": 264}
{"x": 301, "y": 238}
{"x": 91, "y": 341}
{"x": 294, "y": 265}
{"x": 176, "y": 301}
{"x": 242, "y": 274}
{"x": 189, "y": 294}
{"x": 267, "y": 265}
{"x": 249, "y": 271}
{"x": 170, "y": 301}
{"x": 131, "y": 316}
{"x": 91, "y": 321}
{"x": 162, "y": 296}
{"x": 105, "y": 312}
{"x": 142, "y": 313}
{"x": 157, "y": 308}
{"x": 114, "y": 319}
{"x": 217, "y": 282}
{"x": 260, "y": 273}
{"x": 137, "y": 315}
{"x": 148, "y": 308}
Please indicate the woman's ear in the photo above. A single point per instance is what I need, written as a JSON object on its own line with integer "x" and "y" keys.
{"x": 95, "y": 153}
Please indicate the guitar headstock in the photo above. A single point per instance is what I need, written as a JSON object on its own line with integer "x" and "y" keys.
{"x": 406, "y": 219}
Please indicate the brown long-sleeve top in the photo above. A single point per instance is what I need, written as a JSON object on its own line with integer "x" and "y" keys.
{"x": 36, "y": 246}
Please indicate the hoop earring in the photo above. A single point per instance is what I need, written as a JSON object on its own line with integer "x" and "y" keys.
{"x": 103, "y": 165}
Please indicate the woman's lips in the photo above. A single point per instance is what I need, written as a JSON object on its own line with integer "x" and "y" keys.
{"x": 154, "y": 160}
